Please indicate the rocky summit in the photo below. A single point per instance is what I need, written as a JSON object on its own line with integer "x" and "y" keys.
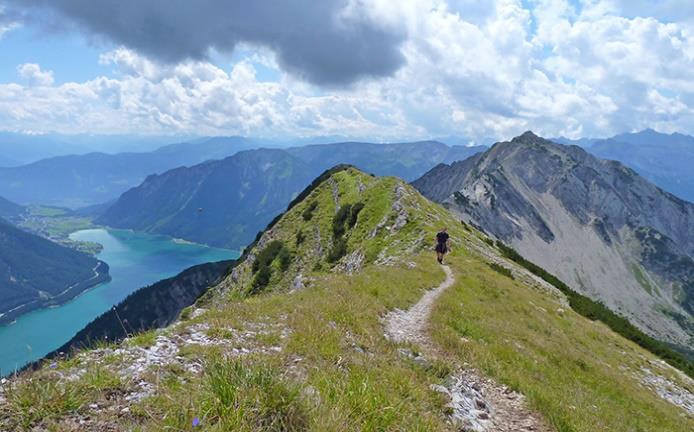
{"x": 596, "y": 224}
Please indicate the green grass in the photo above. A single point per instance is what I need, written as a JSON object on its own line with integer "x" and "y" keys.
{"x": 44, "y": 398}
{"x": 46, "y": 211}
{"x": 501, "y": 270}
{"x": 575, "y": 371}
{"x": 594, "y": 310}
{"x": 144, "y": 339}
{"x": 348, "y": 377}
{"x": 642, "y": 279}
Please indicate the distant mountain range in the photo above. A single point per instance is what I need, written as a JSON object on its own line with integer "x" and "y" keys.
{"x": 94, "y": 178}
{"x": 405, "y": 160}
{"x": 596, "y": 224}
{"x": 24, "y": 148}
{"x": 666, "y": 160}
{"x": 83, "y": 180}
{"x": 19, "y": 149}
{"x": 225, "y": 203}
{"x": 35, "y": 272}
{"x": 220, "y": 203}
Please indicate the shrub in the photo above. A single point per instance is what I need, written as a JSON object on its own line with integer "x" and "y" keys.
{"x": 285, "y": 258}
{"x": 339, "y": 220}
{"x": 338, "y": 250}
{"x": 354, "y": 214}
{"x": 300, "y": 237}
{"x": 307, "y": 214}
{"x": 267, "y": 255}
{"x": 501, "y": 270}
{"x": 345, "y": 219}
{"x": 262, "y": 266}
{"x": 261, "y": 279}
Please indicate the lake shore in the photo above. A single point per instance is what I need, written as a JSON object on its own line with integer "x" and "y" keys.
{"x": 101, "y": 275}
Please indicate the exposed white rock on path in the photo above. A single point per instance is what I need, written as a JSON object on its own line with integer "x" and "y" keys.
{"x": 410, "y": 325}
{"x": 476, "y": 403}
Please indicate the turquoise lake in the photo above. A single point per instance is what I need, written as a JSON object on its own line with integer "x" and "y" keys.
{"x": 135, "y": 260}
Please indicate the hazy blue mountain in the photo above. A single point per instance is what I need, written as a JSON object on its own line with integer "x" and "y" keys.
{"x": 83, "y": 180}
{"x": 9, "y": 210}
{"x": 581, "y": 142}
{"x": 221, "y": 203}
{"x": 224, "y": 203}
{"x": 20, "y": 149}
{"x": 404, "y": 160}
{"x": 17, "y": 149}
{"x": 596, "y": 224}
{"x": 666, "y": 160}
{"x": 35, "y": 272}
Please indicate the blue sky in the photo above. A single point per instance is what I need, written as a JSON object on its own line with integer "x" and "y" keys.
{"x": 371, "y": 69}
{"x": 70, "y": 56}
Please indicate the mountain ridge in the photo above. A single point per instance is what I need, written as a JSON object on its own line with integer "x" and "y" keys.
{"x": 664, "y": 159}
{"x": 93, "y": 178}
{"x": 181, "y": 203}
{"x": 533, "y": 193}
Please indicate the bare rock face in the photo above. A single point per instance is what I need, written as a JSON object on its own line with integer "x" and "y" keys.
{"x": 596, "y": 224}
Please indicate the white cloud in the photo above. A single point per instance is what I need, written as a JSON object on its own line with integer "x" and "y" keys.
{"x": 473, "y": 69}
{"x": 32, "y": 73}
{"x": 7, "y": 23}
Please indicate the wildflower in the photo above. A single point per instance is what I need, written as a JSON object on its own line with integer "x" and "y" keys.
{"x": 196, "y": 422}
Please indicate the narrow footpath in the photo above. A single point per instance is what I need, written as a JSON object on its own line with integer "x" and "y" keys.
{"x": 476, "y": 403}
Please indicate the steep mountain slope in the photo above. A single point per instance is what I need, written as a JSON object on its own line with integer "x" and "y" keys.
{"x": 221, "y": 203}
{"x": 404, "y": 160}
{"x": 82, "y": 180}
{"x": 596, "y": 224}
{"x": 9, "y": 210}
{"x": 154, "y": 306}
{"x": 293, "y": 339}
{"x": 666, "y": 160}
{"x": 35, "y": 272}
{"x": 255, "y": 186}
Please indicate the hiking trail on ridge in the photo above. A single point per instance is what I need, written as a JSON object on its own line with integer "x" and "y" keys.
{"x": 476, "y": 403}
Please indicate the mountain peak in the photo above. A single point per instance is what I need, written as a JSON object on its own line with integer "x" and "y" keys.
{"x": 526, "y": 136}
{"x": 540, "y": 196}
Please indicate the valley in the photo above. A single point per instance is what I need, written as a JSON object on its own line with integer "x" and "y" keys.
{"x": 134, "y": 260}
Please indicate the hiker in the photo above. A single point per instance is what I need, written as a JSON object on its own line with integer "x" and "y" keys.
{"x": 443, "y": 244}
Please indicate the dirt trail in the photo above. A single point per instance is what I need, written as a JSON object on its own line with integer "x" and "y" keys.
{"x": 411, "y": 325}
{"x": 476, "y": 403}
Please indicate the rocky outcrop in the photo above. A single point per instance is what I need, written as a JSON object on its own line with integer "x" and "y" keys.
{"x": 596, "y": 224}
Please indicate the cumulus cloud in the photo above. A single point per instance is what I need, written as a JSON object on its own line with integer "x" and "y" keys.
{"x": 32, "y": 73}
{"x": 327, "y": 42}
{"x": 481, "y": 70}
